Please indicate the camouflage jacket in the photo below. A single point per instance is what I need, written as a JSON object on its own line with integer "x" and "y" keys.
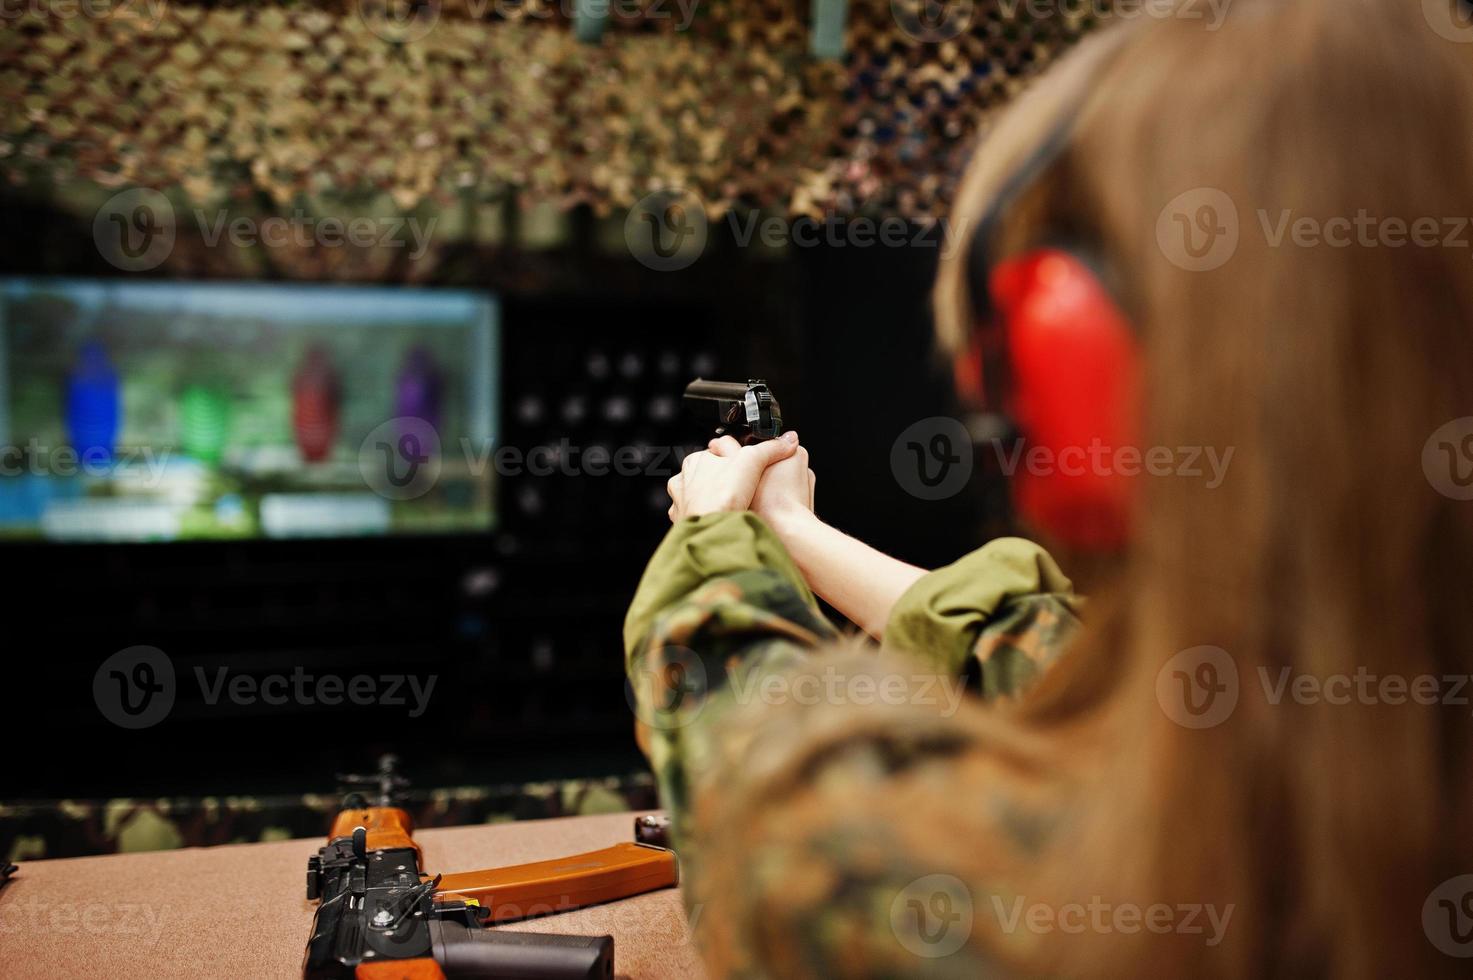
{"x": 836, "y": 807}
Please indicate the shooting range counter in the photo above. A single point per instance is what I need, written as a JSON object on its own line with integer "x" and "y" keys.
{"x": 241, "y": 911}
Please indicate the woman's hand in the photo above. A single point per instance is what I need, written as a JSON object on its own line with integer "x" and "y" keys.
{"x": 725, "y": 476}
{"x": 854, "y": 578}
{"x": 772, "y": 478}
{"x": 785, "y": 492}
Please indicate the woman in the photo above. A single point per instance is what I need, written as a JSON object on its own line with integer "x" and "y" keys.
{"x": 1075, "y": 820}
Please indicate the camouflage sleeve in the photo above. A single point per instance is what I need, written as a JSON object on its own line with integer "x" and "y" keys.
{"x": 700, "y": 549}
{"x": 720, "y": 605}
{"x": 813, "y": 782}
{"x": 1007, "y": 604}
{"x": 887, "y": 828}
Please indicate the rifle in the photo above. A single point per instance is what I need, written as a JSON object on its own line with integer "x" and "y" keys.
{"x": 380, "y": 917}
{"x": 748, "y": 412}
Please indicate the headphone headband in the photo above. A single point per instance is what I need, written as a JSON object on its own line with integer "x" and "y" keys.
{"x": 980, "y": 261}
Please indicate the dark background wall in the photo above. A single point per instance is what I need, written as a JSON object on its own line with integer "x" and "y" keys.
{"x": 521, "y": 625}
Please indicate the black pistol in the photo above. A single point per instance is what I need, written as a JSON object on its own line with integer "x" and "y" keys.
{"x": 746, "y": 411}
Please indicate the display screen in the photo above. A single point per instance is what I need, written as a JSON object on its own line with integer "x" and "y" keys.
{"x": 165, "y": 411}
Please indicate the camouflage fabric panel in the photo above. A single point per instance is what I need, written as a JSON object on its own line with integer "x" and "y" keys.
{"x": 701, "y": 652}
{"x": 819, "y": 788}
{"x": 1007, "y": 604}
{"x": 32, "y": 830}
{"x": 851, "y": 835}
{"x": 1022, "y": 640}
{"x": 305, "y": 102}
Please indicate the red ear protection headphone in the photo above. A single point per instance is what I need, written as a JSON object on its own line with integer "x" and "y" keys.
{"x": 1053, "y": 353}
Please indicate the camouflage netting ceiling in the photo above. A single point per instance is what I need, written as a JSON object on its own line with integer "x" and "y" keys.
{"x": 491, "y": 99}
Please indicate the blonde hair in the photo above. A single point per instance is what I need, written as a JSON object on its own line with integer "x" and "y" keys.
{"x": 1327, "y": 550}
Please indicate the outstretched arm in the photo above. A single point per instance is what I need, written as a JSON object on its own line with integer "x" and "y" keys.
{"x": 788, "y": 759}
{"x": 1011, "y": 586}
{"x": 860, "y": 582}
{"x": 854, "y": 578}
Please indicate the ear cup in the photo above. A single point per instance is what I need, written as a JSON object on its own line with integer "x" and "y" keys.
{"x": 1075, "y": 389}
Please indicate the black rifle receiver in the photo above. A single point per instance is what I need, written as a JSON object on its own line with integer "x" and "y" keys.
{"x": 379, "y": 917}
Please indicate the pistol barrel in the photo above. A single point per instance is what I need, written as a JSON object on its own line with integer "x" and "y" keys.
{"x": 717, "y": 391}
{"x": 746, "y": 411}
